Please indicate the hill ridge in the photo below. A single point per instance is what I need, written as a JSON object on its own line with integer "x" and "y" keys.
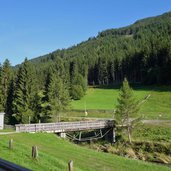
{"x": 164, "y": 15}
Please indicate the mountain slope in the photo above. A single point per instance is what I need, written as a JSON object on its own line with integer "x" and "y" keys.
{"x": 129, "y": 30}
{"x": 141, "y": 52}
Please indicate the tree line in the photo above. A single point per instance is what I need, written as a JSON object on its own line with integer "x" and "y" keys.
{"x": 30, "y": 95}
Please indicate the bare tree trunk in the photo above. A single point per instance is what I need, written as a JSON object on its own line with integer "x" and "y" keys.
{"x": 129, "y": 135}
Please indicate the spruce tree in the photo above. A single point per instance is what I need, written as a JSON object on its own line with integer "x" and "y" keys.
{"x": 1, "y": 94}
{"x": 23, "y": 95}
{"x": 9, "y": 101}
{"x": 58, "y": 95}
{"x": 78, "y": 83}
{"x": 41, "y": 107}
{"x": 127, "y": 109}
{"x": 5, "y": 80}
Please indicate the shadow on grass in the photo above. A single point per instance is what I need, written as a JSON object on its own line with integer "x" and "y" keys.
{"x": 137, "y": 87}
{"x": 111, "y": 86}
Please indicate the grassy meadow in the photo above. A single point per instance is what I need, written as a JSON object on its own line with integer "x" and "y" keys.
{"x": 105, "y": 98}
{"x": 156, "y": 133}
{"x": 54, "y": 154}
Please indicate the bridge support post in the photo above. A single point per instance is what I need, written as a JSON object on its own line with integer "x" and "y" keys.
{"x": 62, "y": 135}
{"x": 111, "y": 136}
{"x": 101, "y": 134}
{"x": 80, "y": 136}
{"x": 113, "y": 140}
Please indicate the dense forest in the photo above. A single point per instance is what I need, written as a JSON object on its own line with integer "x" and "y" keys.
{"x": 40, "y": 88}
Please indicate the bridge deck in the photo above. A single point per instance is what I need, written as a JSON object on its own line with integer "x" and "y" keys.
{"x": 65, "y": 126}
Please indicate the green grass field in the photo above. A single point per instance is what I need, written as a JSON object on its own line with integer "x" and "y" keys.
{"x": 54, "y": 154}
{"x": 155, "y": 133}
{"x": 157, "y": 106}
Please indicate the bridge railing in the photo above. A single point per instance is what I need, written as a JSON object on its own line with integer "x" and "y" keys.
{"x": 64, "y": 126}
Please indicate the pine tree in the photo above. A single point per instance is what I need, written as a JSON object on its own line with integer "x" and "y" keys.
{"x": 127, "y": 109}
{"x": 41, "y": 107}
{"x": 5, "y": 80}
{"x": 23, "y": 95}
{"x": 58, "y": 94}
{"x": 78, "y": 83}
{"x": 1, "y": 94}
{"x": 9, "y": 103}
{"x": 102, "y": 71}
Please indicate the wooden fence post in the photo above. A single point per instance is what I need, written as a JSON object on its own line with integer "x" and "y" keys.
{"x": 34, "y": 152}
{"x": 11, "y": 144}
{"x": 70, "y": 165}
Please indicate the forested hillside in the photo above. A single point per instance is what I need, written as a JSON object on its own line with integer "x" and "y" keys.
{"x": 141, "y": 51}
{"x": 40, "y": 88}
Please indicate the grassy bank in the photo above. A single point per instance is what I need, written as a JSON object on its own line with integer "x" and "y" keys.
{"x": 54, "y": 153}
{"x": 149, "y": 151}
{"x": 155, "y": 133}
{"x": 158, "y": 105}
{"x": 149, "y": 143}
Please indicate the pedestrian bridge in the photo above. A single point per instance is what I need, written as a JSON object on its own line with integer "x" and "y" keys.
{"x": 60, "y": 127}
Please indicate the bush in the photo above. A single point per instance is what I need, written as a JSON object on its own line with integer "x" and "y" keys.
{"x": 77, "y": 92}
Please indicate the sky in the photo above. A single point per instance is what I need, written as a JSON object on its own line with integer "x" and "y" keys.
{"x": 31, "y": 28}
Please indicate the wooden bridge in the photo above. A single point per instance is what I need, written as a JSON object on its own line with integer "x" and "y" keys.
{"x": 66, "y": 127}
{"x": 59, "y": 127}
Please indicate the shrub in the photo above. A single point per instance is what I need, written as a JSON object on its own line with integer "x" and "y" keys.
{"x": 77, "y": 92}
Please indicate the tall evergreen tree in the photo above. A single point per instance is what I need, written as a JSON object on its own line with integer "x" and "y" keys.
{"x": 9, "y": 104}
{"x": 41, "y": 107}
{"x": 78, "y": 83}
{"x": 58, "y": 95}
{"x": 127, "y": 109}
{"x": 102, "y": 72}
{"x": 1, "y": 94}
{"x": 5, "y": 80}
{"x": 23, "y": 95}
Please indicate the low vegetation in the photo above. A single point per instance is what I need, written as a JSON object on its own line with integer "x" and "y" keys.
{"x": 149, "y": 143}
{"x": 142, "y": 150}
{"x": 149, "y": 132}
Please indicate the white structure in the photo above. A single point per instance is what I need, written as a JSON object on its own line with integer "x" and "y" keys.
{"x": 2, "y": 120}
